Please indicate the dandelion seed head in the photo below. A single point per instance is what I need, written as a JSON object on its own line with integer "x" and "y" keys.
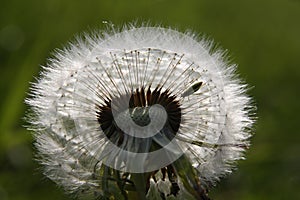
{"x": 90, "y": 95}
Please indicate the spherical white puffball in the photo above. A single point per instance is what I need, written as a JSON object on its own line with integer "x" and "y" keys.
{"x": 142, "y": 100}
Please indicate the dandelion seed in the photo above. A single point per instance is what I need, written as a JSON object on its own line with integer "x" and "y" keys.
{"x": 146, "y": 112}
{"x": 194, "y": 88}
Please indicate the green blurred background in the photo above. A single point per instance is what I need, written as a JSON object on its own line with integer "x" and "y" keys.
{"x": 261, "y": 35}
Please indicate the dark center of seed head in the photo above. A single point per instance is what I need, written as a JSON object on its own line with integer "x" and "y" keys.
{"x": 140, "y": 115}
{"x": 139, "y": 106}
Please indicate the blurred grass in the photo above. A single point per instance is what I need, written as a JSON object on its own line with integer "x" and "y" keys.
{"x": 262, "y": 37}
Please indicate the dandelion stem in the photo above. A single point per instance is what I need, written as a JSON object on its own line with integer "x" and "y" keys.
{"x": 140, "y": 181}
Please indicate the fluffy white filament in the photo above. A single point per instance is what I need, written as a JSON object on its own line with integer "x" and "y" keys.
{"x": 215, "y": 124}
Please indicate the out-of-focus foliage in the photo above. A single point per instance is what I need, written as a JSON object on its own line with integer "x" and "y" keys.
{"x": 262, "y": 36}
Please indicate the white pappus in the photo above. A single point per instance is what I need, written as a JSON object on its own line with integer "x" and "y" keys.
{"x": 90, "y": 91}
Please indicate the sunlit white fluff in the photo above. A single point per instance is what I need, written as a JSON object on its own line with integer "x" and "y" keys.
{"x": 215, "y": 125}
